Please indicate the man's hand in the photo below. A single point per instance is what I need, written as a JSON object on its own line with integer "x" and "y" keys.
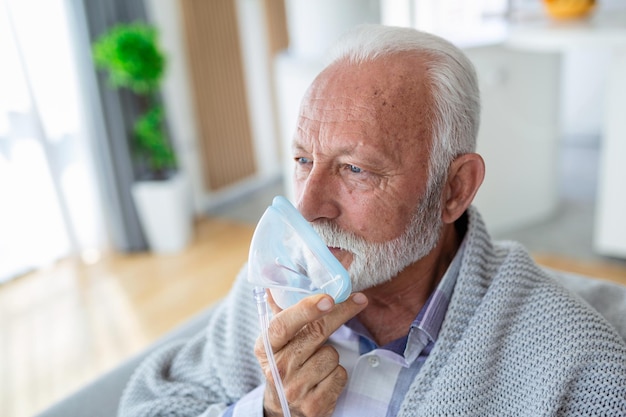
{"x": 310, "y": 370}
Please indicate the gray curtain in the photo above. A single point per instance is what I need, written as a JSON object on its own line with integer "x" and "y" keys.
{"x": 113, "y": 113}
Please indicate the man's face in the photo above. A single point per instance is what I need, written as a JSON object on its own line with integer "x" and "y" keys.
{"x": 361, "y": 154}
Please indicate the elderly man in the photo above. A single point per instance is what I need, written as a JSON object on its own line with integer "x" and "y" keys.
{"x": 444, "y": 321}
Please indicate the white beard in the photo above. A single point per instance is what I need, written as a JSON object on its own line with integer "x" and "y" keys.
{"x": 376, "y": 263}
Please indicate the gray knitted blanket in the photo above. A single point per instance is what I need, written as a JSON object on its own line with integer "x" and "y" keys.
{"x": 514, "y": 342}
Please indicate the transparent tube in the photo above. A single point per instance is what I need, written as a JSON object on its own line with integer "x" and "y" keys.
{"x": 262, "y": 308}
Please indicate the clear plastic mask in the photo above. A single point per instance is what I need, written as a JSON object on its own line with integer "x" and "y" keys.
{"x": 288, "y": 257}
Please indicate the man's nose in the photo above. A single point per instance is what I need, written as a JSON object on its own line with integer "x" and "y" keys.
{"x": 316, "y": 196}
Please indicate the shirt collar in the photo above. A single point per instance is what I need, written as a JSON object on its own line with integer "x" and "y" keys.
{"x": 425, "y": 328}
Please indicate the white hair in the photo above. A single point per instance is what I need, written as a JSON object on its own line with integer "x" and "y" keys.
{"x": 450, "y": 75}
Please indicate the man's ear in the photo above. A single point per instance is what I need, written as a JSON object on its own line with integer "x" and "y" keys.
{"x": 465, "y": 176}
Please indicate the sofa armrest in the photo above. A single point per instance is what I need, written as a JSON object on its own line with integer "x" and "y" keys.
{"x": 608, "y": 298}
{"x": 101, "y": 397}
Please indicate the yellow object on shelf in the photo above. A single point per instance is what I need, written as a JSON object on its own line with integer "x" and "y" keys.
{"x": 569, "y": 9}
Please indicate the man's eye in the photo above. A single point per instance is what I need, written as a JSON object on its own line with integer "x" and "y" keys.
{"x": 355, "y": 169}
{"x": 302, "y": 160}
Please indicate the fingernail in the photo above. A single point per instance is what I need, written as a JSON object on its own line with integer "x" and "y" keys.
{"x": 324, "y": 304}
{"x": 359, "y": 298}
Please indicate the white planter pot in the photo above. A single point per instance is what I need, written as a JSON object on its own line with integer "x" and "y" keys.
{"x": 165, "y": 213}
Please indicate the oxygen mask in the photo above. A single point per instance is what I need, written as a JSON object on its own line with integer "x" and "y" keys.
{"x": 289, "y": 258}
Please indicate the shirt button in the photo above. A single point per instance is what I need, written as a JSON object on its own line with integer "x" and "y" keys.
{"x": 373, "y": 361}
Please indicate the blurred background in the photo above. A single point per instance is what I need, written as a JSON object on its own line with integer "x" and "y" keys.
{"x": 97, "y": 260}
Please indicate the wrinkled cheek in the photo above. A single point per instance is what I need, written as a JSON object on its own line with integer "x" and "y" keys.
{"x": 379, "y": 225}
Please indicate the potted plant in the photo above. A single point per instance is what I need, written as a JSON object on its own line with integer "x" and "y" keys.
{"x": 131, "y": 55}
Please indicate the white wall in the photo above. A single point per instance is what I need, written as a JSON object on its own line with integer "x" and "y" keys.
{"x": 518, "y": 136}
{"x": 582, "y": 93}
{"x": 610, "y": 225}
{"x": 257, "y": 72}
{"x": 314, "y": 25}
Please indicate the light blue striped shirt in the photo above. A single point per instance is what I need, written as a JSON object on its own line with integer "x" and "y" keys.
{"x": 378, "y": 376}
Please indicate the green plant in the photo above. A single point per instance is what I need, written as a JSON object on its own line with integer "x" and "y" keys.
{"x": 131, "y": 55}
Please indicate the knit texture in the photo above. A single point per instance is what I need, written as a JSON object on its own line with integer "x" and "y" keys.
{"x": 514, "y": 343}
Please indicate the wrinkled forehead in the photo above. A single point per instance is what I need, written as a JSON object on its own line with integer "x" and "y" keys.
{"x": 400, "y": 77}
{"x": 390, "y": 96}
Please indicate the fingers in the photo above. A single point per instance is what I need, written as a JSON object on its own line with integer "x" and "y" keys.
{"x": 321, "y": 400}
{"x": 320, "y": 366}
{"x": 313, "y": 389}
{"x": 311, "y": 374}
{"x": 330, "y": 388}
{"x": 314, "y": 319}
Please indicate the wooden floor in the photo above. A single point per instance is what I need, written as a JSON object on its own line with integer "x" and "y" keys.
{"x": 64, "y": 326}
{"x": 61, "y": 327}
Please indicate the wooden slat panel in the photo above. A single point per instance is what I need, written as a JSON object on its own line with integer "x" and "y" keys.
{"x": 276, "y": 20}
{"x": 218, "y": 86}
{"x": 278, "y": 40}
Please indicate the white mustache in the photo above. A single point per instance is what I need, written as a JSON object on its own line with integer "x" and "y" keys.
{"x": 335, "y": 238}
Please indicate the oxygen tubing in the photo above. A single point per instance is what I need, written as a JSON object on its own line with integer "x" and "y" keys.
{"x": 263, "y": 310}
